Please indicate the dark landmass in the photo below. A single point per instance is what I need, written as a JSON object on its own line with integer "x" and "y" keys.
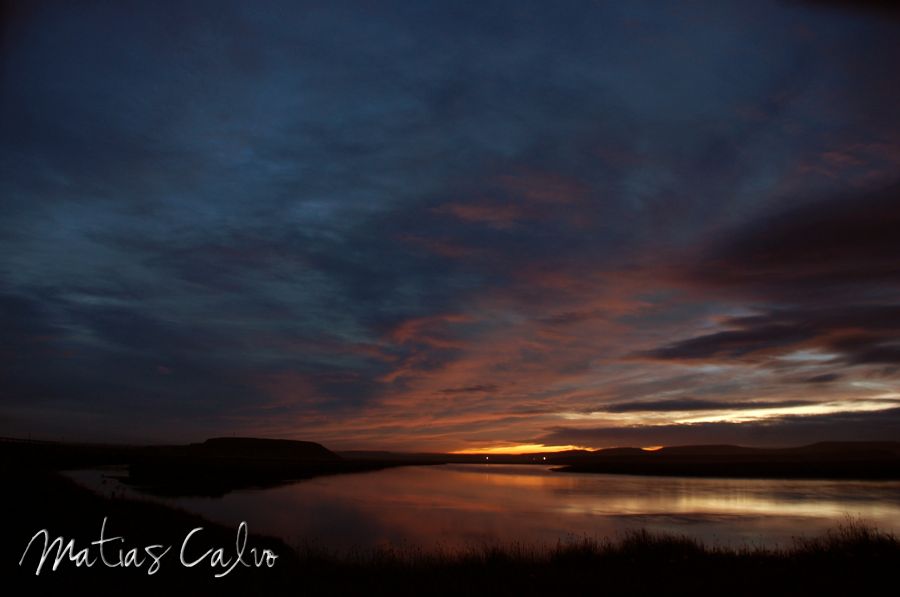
{"x": 273, "y": 449}
{"x": 828, "y": 460}
{"x": 219, "y": 465}
{"x": 565, "y": 457}
{"x": 852, "y": 560}
{"x": 211, "y": 469}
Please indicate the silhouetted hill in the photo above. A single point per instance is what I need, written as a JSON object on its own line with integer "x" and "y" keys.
{"x": 251, "y": 447}
{"x": 885, "y": 448}
{"x": 860, "y": 460}
{"x": 849, "y": 449}
{"x": 706, "y": 450}
{"x": 619, "y": 452}
{"x": 408, "y": 457}
{"x": 223, "y": 464}
{"x": 219, "y": 465}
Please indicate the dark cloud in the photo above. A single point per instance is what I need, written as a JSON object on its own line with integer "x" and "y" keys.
{"x": 883, "y": 8}
{"x": 733, "y": 344}
{"x": 854, "y": 335}
{"x": 781, "y": 431}
{"x": 694, "y": 404}
{"x": 824, "y": 378}
{"x": 471, "y": 389}
{"x": 842, "y": 248}
{"x": 826, "y": 273}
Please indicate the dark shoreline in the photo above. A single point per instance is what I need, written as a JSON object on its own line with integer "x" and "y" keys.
{"x": 853, "y": 560}
{"x": 208, "y": 469}
{"x": 850, "y": 560}
{"x": 215, "y": 467}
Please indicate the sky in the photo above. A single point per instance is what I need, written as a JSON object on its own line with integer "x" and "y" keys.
{"x": 445, "y": 226}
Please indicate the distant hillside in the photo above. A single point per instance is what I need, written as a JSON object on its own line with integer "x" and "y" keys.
{"x": 269, "y": 449}
{"x": 849, "y": 449}
{"x": 838, "y": 460}
{"x": 444, "y": 458}
{"x": 219, "y": 465}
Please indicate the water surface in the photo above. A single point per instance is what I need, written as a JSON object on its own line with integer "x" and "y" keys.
{"x": 460, "y": 505}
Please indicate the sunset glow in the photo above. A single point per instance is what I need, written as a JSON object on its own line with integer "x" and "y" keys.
{"x": 519, "y": 449}
{"x": 438, "y": 227}
{"x": 450, "y": 299}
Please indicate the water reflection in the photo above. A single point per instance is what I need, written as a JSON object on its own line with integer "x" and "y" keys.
{"x": 458, "y": 505}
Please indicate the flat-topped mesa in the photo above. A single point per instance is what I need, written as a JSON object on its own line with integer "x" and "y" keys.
{"x": 268, "y": 449}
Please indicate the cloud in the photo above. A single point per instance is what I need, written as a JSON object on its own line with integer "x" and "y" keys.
{"x": 783, "y": 431}
{"x": 733, "y": 344}
{"x": 344, "y": 221}
{"x": 822, "y": 276}
{"x": 693, "y": 404}
{"x": 852, "y": 335}
{"x": 824, "y": 378}
{"x": 845, "y": 248}
{"x": 480, "y": 388}
{"x": 498, "y": 215}
{"x": 883, "y": 8}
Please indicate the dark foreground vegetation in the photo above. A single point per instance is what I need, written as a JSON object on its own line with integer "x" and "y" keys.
{"x": 853, "y": 560}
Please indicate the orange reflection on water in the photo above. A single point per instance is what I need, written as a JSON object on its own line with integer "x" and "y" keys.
{"x": 456, "y": 506}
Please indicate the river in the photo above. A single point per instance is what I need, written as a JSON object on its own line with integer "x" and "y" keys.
{"x": 462, "y": 505}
